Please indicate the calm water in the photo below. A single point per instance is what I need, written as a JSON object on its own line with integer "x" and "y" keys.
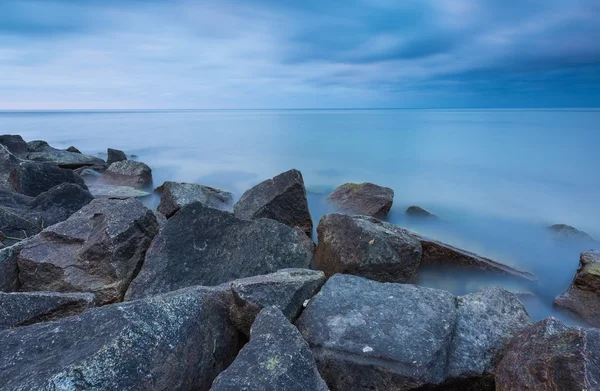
{"x": 497, "y": 178}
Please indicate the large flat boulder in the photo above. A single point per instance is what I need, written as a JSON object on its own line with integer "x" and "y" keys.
{"x": 276, "y": 358}
{"x": 32, "y": 179}
{"x": 205, "y": 246}
{"x": 8, "y": 162}
{"x": 551, "y": 356}
{"x": 176, "y": 195}
{"x": 178, "y": 341}
{"x": 14, "y": 143}
{"x": 282, "y": 198}
{"x": 127, "y": 173}
{"x": 98, "y": 250}
{"x": 363, "y": 198}
{"x": 112, "y": 191}
{"x": 40, "y": 151}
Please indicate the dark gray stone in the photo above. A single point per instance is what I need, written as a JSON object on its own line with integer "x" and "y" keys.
{"x": 73, "y": 149}
{"x": 115, "y": 155}
{"x": 8, "y": 162}
{"x": 276, "y": 358}
{"x": 367, "y": 247}
{"x": 282, "y": 198}
{"x": 9, "y": 271}
{"x": 175, "y": 195}
{"x": 162, "y": 220}
{"x": 112, "y": 191}
{"x": 178, "y": 341}
{"x": 363, "y": 198}
{"x": 286, "y": 289}
{"x": 98, "y": 250}
{"x": 564, "y": 231}
{"x": 127, "y": 173}
{"x": 32, "y": 179}
{"x": 14, "y": 143}
{"x": 26, "y": 308}
{"x": 417, "y": 211}
{"x": 205, "y": 246}
{"x": 91, "y": 172}
{"x": 40, "y": 151}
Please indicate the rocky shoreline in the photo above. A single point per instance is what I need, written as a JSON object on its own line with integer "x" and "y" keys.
{"x": 98, "y": 292}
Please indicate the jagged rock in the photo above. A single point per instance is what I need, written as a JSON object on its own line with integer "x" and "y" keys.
{"x": 9, "y": 271}
{"x": 127, "y": 173}
{"x": 286, "y": 289}
{"x": 564, "y": 231}
{"x": 98, "y": 250}
{"x": 583, "y": 296}
{"x": 276, "y": 358}
{"x": 26, "y": 308}
{"x": 22, "y": 216}
{"x": 366, "y": 247}
{"x": 205, "y": 246}
{"x": 73, "y": 149}
{"x": 551, "y": 356}
{"x": 33, "y": 179}
{"x": 175, "y": 195}
{"x": 40, "y": 151}
{"x": 162, "y": 220}
{"x": 363, "y": 198}
{"x": 178, "y": 341}
{"x": 115, "y": 155}
{"x": 14, "y": 143}
{"x": 99, "y": 190}
{"x": 8, "y": 162}
{"x": 417, "y": 211}
{"x": 282, "y": 198}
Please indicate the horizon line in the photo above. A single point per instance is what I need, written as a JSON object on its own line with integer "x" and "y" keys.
{"x": 592, "y": 108}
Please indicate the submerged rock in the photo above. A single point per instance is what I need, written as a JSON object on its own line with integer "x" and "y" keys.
{"x": 99, "y": 190}
{"x": 276, "y": 358}
{"x": 115, "y": 155}
{"x": 564, "y": 231}
{"x": 205, "y": 246}
{"x": 127, "y": 173}
{"x": 282, "y": 198}
{"x": 32, "y": 179}
{"x": 176, "y": 195}
{"x": 363, "y": 198}
{"x": 417, "y": 211}
{"x": 14, "y": 143}
{"x": 40, "y": 151}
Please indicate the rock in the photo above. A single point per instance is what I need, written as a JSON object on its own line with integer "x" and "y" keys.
{"x": 178, "y": 341}
{"x": 175, "y": 195}
{"x": 91, "y": 172}
{"x": 366, "y": 247}
{"x": 286, "y": 289}
{"x": 14, "y": 143}
{"x": 551, "y": 356}
{"x": 73, "y": 149}
{"x": 417, "y": 211}
{"x": 367, "y": 335}
{"x": 205, "y": 246}
{"x": 22, "y": 216}
{"x": 99, "y": 190}
{"x": 564, "y": 231}
{"x": 583, "y": 296}
{"x": 282, "y": 198}
{"x": 98, "y": 250}
{"x": 33, "y": 179}
{"x": 8, "y": 162}
{"x": 127, "y": 173}
{"x": 363, "y": 198}
{"x": 9, "y": 271}
{"x": 22, "y": 309}
{"x": 276, "y": 358}
{"x": 115, "y": 155}
{"x": 40, "y": 151}
{"x": 162, "y": 220}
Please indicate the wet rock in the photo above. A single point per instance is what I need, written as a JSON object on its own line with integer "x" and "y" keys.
{"x": 26, "y": 308}
{"x": 73, "y": 149}
{"x": 583, "y": 296}
{"x": 564, "y": 231}
{"x": 205, "y": 246}
{"x": 8, "y": 162}
{"x": 276, "y": 358}
{"x": 40, "y": 151}
{"x": 98, "y": 250}
{"x": 551, "y": 356}
{"x": 417, "y": 211}
{"x": 178, "y": 341}
{"x": 286, "y": 289}
{"x": 127, "y": 173}
{"x": 363, "y": 198}
{"x": 115, "y": 155}
{"x": 366, "y": 247}
{"x": 14, "y": 143}
{"x": 175, "y": 195}
{"x": 33, "y": 179}
{"x": 99, "y": 190}
{"x": 282, "y": 198}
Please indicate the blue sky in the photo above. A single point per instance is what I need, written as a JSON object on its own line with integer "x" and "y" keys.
{"x": 94, "y": 54}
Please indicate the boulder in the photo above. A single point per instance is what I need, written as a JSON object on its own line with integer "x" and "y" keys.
{"x": 32, "y": 179}
{"x": 282, "y": 198}
{"x": 9, "y": 271}
{"x": 26, "y": 308}
{"x": 8, "y": 162}
{"x": 112, "y": 191}
{"x": 98, "y": 250}
{"x": 286, "y": 289}
{"x": 40, "y": 151}
{"x": 583, "y": 296}
{"x": 417, "y": 211}
{"x": 115, "y": 155}
{"x": 178, "y": 341}
{"x": 564, "y": 231}
{"x": 363, "y": 198}
{"x": 127, "y": 173}
{"x": 276, "y": 358}
{"x": 175, "y": 195}
{"x": 14, "y": 143}
{"x": 551, "y": 356}
{"x": 367, "y": 335}
{"x": 367, "y": 247}
{"x": 205, "y": 246}
{"x": 73, "y": 149}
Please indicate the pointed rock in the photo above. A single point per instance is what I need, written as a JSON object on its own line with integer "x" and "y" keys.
{"x": 363, "y": 198}
{"x": 14, "y": 143}
{"x": 115, "y": 155}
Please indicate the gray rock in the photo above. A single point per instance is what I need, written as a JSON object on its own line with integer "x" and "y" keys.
{"x": 115, "y": 155}
{"x": 205, "y": 246}
{"x": 286, "y": 289}
{"x": 175, "y": 195}
{"x": 282, "y": 198}
{"x": 9, "y": 271}
{"x": 8, "y": 162}
{"x": 363, "y": 198}
{"x": 99, "y": 190}
{"x": 564, "y": 231}
{"x": 14, "y": 143}
{"x": 98, "y": 250}
{"x": 40, "y": 151}
{"x": 73, "y": 149}
{"x": 276, "y": 358}
{"x": 367, "y": 247}
{"x": 127, "y": 173}
{"x": 32, "y": 179}
{"x": 177, "y": 341}
{"x": 162, "y": 220}
{"x": 91, "y": 172}
{"x": 22, "y": 309}
{"x": 417, "y": 211}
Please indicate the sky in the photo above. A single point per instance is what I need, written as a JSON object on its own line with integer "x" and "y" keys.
{"x": 234, "y": 54}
